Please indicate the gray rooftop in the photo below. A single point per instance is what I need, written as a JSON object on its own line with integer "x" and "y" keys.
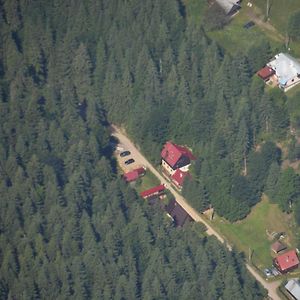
{"x": 227, "y": 5}
{"x": 285, "y": 66}
{"x": 293, "y": 286}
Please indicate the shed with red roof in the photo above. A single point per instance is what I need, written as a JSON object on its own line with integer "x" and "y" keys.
{"x": 265, "y": 73}
{"x": 157, "y": 190}
{"x": 287, "y": 261}
{"x": 278, "y": 246}
{"x": 175, "y": 157}
{"x": 134, "y": 175}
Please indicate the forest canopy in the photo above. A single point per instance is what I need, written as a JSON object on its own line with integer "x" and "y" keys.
{"x": 69, "y": 227}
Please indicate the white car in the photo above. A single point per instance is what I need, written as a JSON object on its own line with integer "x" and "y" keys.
{"x": 268, "y": 272}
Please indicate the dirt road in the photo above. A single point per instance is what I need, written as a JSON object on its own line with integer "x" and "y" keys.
{"x": 271, "y": 287}
{"x": 136, "y": 154}
{"x": 258, "y": 20}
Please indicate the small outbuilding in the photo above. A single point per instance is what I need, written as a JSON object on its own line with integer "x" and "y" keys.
{"x": 157, "y": 190}
{"x": 293, "y": 288}
{"x": 266, "y": 73}
{"x": 134, "y": 175}
{"x": 278, "y": 247}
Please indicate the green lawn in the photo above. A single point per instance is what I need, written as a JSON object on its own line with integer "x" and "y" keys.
{"x": 292, "y": 92}
{"x": 279, "y": 15}
{"x": 146, "y": 182}
{"x": 234, "y": 37}
{"x": 250, "y": 234}
{"x": 280, "y": 10}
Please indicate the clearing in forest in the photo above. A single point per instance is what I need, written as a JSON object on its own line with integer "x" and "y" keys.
{"x": 253, "y": 235}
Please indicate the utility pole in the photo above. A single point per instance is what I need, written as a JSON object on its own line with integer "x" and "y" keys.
{"x": 268, "y": 9}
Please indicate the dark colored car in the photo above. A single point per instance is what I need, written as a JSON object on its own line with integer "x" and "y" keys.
{"x": 129, "y": 161}
{"x": 249, "y": 25}
{"x": 125, "y": 153}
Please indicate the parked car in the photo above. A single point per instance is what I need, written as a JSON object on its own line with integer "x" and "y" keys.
{"x": 129, "y": 161}
{"x": 125, "y": 153}
{"x": 268, "y": 272}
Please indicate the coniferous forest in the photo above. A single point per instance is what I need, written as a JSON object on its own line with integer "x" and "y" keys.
{"x": 69, "y": 227}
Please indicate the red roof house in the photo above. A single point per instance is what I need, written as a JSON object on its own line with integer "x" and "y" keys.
{"x": 287, "y": 261}
{"x": 134, "y": 175}
{"x": 265, "y": 73}
{"x": 153, "y": 191}
{"x": 175, "y": 156}
{"x": 178, "y": 177}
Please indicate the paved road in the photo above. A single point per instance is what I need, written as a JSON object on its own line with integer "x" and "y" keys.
{"x": 136, "y": 154}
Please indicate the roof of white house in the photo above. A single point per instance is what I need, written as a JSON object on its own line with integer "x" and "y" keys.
{"x": 285, "y": 66}
{"x": 293, "y": 286}
{"x": 227, "y": 5}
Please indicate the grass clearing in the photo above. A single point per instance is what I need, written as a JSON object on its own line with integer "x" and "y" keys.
{"x": 278, "y": 17}
{"x": 279, "y": 11}
{"x": 234, "y": 36}
{"x": 292, "y": 92}
{"x": 251, "y": 235}
{"x": 146, "y": 182}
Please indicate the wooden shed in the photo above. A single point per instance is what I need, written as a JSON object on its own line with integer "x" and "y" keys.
{"x": 277, "y": 247}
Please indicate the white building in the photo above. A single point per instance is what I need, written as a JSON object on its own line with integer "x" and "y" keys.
{"x": 287, "y": 70}
{"x": 229, "y": 6}
{"x": 293, "y": 287}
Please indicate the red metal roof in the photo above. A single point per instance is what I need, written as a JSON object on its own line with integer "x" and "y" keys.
{"x": 140, "y": 171}
{"x": 131, "y": 176}
{"x": 171, "y": 153}
{"x": 179, "y": 176}
{"x": 153, "y": 191}
{"x": 265, "y": 72}
{"x": 287, "y": 260}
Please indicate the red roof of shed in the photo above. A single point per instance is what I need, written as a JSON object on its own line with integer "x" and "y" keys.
{"x": 287, "y": 260}
{"x": 171, "y": 153}
{"x": 153, "y": 191}
{"x": 133, "y": 175}
{"x": 265, "y": 72}
{"x": 179, "y": 176}
{"x": 140, "y": 171}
